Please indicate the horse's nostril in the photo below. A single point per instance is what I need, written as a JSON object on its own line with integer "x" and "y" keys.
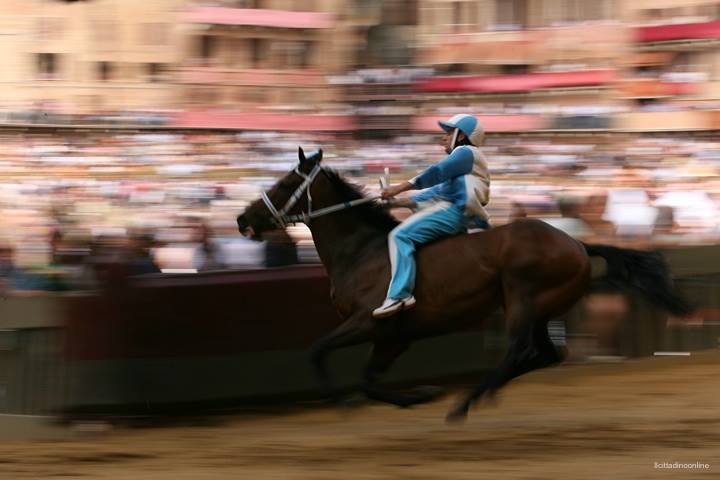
{"x": 242, "y": 223}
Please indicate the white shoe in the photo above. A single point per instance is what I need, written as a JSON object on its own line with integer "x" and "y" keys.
{"x": 391, "y": 306}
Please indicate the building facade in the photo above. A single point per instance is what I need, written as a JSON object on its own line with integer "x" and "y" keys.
{"x": 88, "y": 56}
{"x": 613, "y": 60}
{"x": 526, "y": 63}
{"x": 108, "y": 55}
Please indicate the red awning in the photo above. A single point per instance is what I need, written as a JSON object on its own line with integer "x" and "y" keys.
{"x": 259, "y": 17}
{"x": 491, "y": 123}
{"x": 682, "y": 31}
{"x": 266, "y": 121}
{"x": 517, "y": 83}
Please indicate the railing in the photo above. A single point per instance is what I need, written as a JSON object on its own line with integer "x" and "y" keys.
{"x": 259, "y": 77}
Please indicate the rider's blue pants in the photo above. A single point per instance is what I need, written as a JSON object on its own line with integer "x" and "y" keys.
{"x": 439, "y": 220}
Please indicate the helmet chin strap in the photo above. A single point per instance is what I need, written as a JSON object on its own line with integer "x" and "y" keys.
{"x": 453, "y": 142}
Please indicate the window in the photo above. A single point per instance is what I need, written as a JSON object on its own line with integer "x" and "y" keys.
{"x": 510, "y": 14}
{"x": 514, "y": 69}
{"x": 48, "y": 66}
{"x": 203, "y": 96}
{"x": 208, "y": 44}
{"x": 400, "y": 12}
{"x": 456, "y": 68}
{"x": 104, "y": 71}
{"x": 299, "y": 54}
{"x": 712, "y": 12}
{"x": 245, "y": 3}
{"x": 596, "y": 10}
{"x": 471, "y": 16}
{"x": 583, "y": 10}
{"x": 571, "y": 11}
{"x": 257, "y": 49}
{"x": 457, "y": 16}
{"x": 255, "y": 95}
{"x": 304, "y": 5}
{"x": 155, "y": 72}
{"x": 464, "y": 16}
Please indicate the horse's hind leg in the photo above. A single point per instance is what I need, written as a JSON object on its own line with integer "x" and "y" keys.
{"x": 530, "y": 349}
{"x": 382, "y": 357}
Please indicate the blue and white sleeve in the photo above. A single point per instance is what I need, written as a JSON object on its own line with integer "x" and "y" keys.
{"x": 425, "y": 195}
{"x": 459, "y": 162}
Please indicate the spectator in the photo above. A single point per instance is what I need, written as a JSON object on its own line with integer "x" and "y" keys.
{"x": 140, "y": 261}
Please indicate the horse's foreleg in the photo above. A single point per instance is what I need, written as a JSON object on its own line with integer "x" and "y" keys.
{"x": 352, "y": 332}
{"x": 382, "y": 357}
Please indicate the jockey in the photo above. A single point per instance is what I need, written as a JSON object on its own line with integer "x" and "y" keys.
{"x": 456, "y": 192}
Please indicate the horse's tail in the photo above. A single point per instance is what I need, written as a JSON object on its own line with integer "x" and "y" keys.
{"x": 646, "y": 273}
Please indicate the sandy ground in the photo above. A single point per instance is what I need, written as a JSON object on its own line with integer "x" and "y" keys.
{"x": 571, "y": 422}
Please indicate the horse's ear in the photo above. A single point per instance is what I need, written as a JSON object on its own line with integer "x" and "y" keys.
{"x": 319, "y": 156}
{"x": 301, "y": 155}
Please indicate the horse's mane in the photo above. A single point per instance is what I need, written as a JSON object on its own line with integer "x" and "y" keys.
{"x": 375, "y": 214}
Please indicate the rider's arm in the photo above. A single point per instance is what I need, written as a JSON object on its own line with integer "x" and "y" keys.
{"x": 392, "y": 190}
{"x": 402, "y": 203}
{"x": 459, "y": 162}
{"x": 425, "y": 194}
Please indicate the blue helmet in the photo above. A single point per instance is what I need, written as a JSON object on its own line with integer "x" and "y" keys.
{"x": 468, "y": 124}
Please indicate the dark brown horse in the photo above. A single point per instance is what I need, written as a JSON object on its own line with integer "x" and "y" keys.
{"x": 530, "y": 269}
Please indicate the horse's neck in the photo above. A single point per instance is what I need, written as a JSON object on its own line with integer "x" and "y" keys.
{"x": 344, "y": 238}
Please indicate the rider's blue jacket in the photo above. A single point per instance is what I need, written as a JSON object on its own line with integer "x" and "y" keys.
{"x": 462, "y": 178}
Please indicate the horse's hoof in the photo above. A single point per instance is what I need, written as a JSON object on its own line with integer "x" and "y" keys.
{"x": 490, "y": 399}
{"x": 457, "y": 415}
{"x": 354, "y": 400}
{"x": 429, "y": 392}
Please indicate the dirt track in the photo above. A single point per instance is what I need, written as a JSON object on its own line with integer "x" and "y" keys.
{"x": 571, "y": 422}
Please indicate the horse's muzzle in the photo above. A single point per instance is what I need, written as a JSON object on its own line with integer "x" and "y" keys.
{"x": 243, "y": 225}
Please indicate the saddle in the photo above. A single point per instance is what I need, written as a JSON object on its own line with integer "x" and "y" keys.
{"x": 478, "y": 224}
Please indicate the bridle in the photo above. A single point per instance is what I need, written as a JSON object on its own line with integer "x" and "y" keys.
{"x": 281, "y": 217}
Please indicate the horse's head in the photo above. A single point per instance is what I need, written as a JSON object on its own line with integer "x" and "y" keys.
{"x": 286, "y": 199}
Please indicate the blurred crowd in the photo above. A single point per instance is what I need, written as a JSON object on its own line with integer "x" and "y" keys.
{"x": 167, "y": 202}
{"x": 56, "y": 113}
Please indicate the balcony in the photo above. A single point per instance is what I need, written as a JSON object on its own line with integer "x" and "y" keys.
{"x": 251, "y": 77}
{"x": 255, "y": 17}
{"x": 493, "y": 48}
{"x": 528, "y": 47}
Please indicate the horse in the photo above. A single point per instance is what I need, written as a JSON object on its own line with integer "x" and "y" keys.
{"x": 531, "y": 270}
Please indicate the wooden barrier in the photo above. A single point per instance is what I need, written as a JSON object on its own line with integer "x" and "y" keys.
{"x": 240, "y": 335}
